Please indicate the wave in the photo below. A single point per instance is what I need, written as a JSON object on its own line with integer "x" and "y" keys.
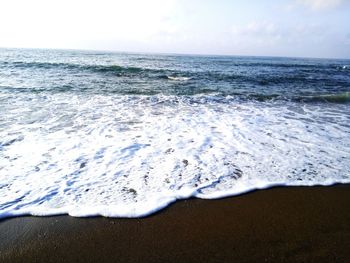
{"x": 202, "y": 96}
{"x": 293, "y": 65}
{"x": 341, "y": 98}
{"x": 81, "y": 67}
{"x": 178, "y": 78}
{"x": 261, "y": 84}
{"x": 300, "y": 74}
{"x": 133, "y": 69}
{"x": 129, "y": 156}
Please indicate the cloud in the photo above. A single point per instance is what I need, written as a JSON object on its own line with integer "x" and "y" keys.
{"x": 321, "y": 4}
{"x": 278, "y": 38}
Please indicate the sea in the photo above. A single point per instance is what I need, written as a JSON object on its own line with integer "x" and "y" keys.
{"x": 90, "y": 133}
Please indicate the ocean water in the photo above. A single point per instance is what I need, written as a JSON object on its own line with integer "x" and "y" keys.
{"x": 124, "y": 135}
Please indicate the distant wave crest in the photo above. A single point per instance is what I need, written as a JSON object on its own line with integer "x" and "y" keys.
{"x": 178, "y": 78}
{"x": 79, "y": 67}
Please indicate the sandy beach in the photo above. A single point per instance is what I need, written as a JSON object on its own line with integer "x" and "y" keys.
{"x": 295, "y": 224}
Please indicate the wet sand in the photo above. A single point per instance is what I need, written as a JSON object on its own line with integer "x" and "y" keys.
{"x": 295, "y": 224}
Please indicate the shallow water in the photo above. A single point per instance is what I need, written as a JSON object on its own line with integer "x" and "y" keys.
{"x": 124, "y": 135}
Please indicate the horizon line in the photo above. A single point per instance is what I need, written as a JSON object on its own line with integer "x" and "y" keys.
{"x": 172, "y": 53}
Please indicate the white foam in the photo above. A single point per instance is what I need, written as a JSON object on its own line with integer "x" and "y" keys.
{"x": 122, "y": 156}
{"x": 178, "y": 78}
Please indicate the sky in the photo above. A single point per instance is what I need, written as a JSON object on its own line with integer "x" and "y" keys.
{"x": 293, "y": 28}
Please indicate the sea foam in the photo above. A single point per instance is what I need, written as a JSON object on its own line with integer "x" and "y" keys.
{"x": 129, "y": 156}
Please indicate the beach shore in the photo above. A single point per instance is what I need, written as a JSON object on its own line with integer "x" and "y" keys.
{"x": 289, "y": 224}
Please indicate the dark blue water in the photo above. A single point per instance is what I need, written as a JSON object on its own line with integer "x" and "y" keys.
{"x": 257, "y": 78}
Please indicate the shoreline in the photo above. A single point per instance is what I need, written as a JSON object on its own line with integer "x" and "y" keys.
{"x": 280, "y": 224}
